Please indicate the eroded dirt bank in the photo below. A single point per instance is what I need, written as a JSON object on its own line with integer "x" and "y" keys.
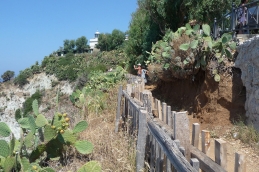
{"x": 211, "y": 102}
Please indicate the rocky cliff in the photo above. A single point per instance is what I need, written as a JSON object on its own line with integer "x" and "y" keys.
{"x": 248, "y": 61}
{"x": 12, "y": 97}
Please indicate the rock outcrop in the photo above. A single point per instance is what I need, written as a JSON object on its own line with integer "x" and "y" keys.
{"x": 12, "y": 97}
{"x": 248, "y": 61}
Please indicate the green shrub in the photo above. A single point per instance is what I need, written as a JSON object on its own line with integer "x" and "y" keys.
{"x": 21, "y": 80}
{"x": 27, "y": 105}
{"x": 183, "y": 53}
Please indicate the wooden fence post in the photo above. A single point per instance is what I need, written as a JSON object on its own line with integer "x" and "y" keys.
{"x": 182, "y": 132}
{"x": 141, "y": 142}
{"x": 168, "y": 115}
{"x": 158, "y": 150}
{"x": 153, "y": 153}
{"x": 205, "y": 140}
{"x": 240, "y": 162}
{"x": 221, "y": 153}
{"x": 195, "y": 164}
{"x": 159, "y": 110}
{"x": 118, "y": 114}
{"x": 147, "y": 100}
{"x": 164, "y": 112}
{"x": 195, "y": 134}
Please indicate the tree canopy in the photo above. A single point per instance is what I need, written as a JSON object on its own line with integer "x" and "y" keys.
{"x": 69, "y": 45}
{"x": 153, "y": 18}
{"x": 7, "y": 75}
{"x": 108, "y": 42}
{"x": 81, "y": 44}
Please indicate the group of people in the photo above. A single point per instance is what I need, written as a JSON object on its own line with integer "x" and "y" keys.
{"x": 141, "y": 72}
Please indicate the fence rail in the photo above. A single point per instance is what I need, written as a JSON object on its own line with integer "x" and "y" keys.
{"x": 163, "y": 136}
{"x": 230, "y": 22}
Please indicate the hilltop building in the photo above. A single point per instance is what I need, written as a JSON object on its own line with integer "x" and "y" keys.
{"x": 94, "y": 41}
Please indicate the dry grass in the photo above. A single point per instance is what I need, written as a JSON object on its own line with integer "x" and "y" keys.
{"x": 114, "y": 151}
{"x": 247, "y": 133}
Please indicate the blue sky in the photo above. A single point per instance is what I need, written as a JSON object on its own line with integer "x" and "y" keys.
{"x": 33, "y": 29}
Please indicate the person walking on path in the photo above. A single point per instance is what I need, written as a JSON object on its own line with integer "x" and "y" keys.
{"x": 141, "y": 72}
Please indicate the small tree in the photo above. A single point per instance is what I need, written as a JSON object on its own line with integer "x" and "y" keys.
{"x": 7, "y": 75}
{"x": 81, "y": 44}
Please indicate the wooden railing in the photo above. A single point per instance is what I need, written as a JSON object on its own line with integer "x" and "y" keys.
{"x": 163, "y": 136}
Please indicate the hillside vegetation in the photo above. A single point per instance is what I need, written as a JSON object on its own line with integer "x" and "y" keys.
{"x": 63, "y": 130}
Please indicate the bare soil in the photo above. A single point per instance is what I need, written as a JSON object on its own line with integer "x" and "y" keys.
{"x": 216, "y": 106}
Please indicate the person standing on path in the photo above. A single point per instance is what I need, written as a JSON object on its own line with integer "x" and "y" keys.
{"x": 141, "y": 72}
{"x": 139, "y": 69}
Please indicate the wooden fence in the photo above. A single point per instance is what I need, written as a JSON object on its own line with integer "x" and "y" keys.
{"x": 163, "y": 135}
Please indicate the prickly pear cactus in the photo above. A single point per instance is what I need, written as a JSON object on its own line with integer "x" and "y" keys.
{"x": 12, "y": 144}
{"x": 80, "y": 126}
{"x": 36, "y": 153}
{"x": 68, "y": 137}
{"x": 28, "y": 140}
{"x": 4, "y": 148}
{"x": 35, "y": 107}
{"x": 84, "y": 147}
{"x": 4, "y": 130}
{"x": 41, "y": 121}
{"x": 49, "y": 133}
{"x": 9, "y": 164}
{"x": 28, "y": 123}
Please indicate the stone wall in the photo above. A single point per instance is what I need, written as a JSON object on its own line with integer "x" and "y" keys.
{"x": 248, "y": 61}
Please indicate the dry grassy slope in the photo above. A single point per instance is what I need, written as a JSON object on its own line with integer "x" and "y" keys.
{"x": 115, "y": 152}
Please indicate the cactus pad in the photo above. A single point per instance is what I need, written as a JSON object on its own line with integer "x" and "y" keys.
{"x": 49, "y": 133}
{"x": 80, "y": 126}
{"x": 24, "y": 123}
{"x": 12, "y": 144}
{"x": 35, "y": 107}
{"x": 35, "y": 154}
{"x": 84, "y": 147}
{"x": 28, "y": 141}
{"x": 9, "y": 164}
{"x": 25, "y": 164}
{"x": 54, "y": 148}
{"x": 4, "y": 148}
{"x": 32, "y": 124}
{"x": 69, "y": 137}
{"x": 92, "y": 166}
{"x": 4, "y": 130}
{"x": 41, "y": 121}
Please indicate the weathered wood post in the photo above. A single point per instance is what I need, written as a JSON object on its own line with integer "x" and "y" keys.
{"x": 168, "y": 116}
{"x": 182, "y": 132}
{"x": 169, "y": 123}
{"x": 221, "y": 153}
{"x": 195, "y": 134}
{"x": 164, "y": 112}
{"x": 159, "y": 110}
{"x": 147, "y": 100}
{"x": 118, "y": 114}
{"x": 195, "y": 164}
{"x": 141, "y": 142}
{"x": 240, "y": 162}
